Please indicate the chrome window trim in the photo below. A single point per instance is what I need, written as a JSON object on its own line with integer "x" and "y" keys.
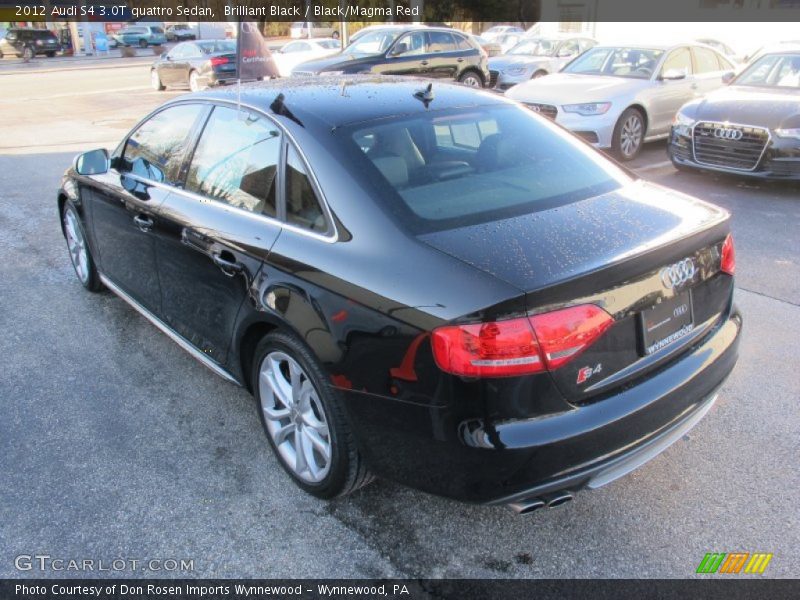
{"x": 729, "y": 124}
{"x": 329, "y": 238}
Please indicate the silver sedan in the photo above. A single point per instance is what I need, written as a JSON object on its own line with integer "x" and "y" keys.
{"x": 618, "y": 97}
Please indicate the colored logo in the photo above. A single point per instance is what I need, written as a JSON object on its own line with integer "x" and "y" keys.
{"x": 734, "y": 562}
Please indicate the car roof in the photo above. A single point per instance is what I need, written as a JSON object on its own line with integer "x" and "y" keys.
{"x": 781, "y": 48}
{"x": 333, "y": 101}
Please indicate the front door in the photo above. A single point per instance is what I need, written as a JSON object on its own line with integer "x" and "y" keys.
{"x": 670, "y": 93}
{"x": 124, "y": 201}
{"x": 408, "y": 56}
{"x": 219, "y": 230}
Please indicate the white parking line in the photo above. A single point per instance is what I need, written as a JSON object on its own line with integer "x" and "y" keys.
{"x": 658, "y": 165}
{"x": 75, "y": 94}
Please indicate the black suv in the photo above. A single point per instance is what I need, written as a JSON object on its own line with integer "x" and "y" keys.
{"x": 27, "y": 43}
{"x": 415, "y": 50}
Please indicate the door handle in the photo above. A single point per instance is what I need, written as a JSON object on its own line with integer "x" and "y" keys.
{"x": 229, "y": 267}
{"x": 460, "y": 60}
{"x": 143, "y": 223}
{"x": 424, "y": 63}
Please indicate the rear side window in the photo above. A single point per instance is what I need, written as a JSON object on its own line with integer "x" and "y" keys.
{"x": 463, "y": 43}
{"x": 302, "y": 206}
{"x": 155, "y": 150}
{"x": 236, "y": 161}
{"x": 440, "y": 41}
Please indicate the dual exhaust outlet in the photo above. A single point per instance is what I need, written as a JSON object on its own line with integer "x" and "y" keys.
{"x": 527, "y": 506}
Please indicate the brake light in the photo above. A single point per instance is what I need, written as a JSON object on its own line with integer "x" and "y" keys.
{"x": 564, "y": 334}
{"x": 519, "y": 346}
{"x": 219, "y": 60}
{"x": 727, "y": 263}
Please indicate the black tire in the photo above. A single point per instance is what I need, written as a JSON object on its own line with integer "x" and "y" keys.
{"x": 468, "y": 76}
{"x": 92, "y": 280}
{"x": 539, "y": 73}
{"x": 28, "y": 53}
{"x": 142, "y": 43}
{"x": 348, "y": 471}
{"x": 50, "y": 54}
{"x": 623, "y": 150}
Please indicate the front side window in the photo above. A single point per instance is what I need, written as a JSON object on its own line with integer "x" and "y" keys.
{"x": 156, "y": 149}
{"x": 705, "y": 60}
{"x": 302, "y": 207}
{"x": 633, "y": 63}
{"x": 375, "y": 42}
{"x": 458, "y": 167}
{"x": 411, "y": 45}
{"x": 236, "y": 161}
{"x": 678, "y": 61}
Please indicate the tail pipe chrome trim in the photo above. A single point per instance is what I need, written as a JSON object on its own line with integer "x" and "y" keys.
{"x": 175, "y": 337}
{"x": 527, "y": 506}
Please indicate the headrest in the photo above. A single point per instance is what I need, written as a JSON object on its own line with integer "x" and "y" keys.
{"x": 394, "y": 169}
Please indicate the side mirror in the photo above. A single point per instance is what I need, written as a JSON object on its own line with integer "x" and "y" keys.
{"x": 94, "y": 162}
{"x": 728, "y": 77}
{"x": 673, "y": 74}
{"x": 399, "y": 49}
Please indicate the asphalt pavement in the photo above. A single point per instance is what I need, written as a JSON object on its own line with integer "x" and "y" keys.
{"x": 116, "y": 443}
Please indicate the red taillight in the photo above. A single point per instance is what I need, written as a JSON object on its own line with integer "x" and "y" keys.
{"x": 727, "y": 263}
{"x": 219, "y": 60}
{"x": 566, "y": 333}
{"x": 518, "y": 346}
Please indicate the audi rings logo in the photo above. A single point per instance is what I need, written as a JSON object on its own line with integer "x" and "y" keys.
{"x": 676, "y": 275}
{"x": 727, "y": 134}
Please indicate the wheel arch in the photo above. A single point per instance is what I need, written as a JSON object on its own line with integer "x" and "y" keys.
{"x": 645, "y": 116}
{"x": 474, "y": 70}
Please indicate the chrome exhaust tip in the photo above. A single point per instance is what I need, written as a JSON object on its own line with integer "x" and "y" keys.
{"x": 557, "y": 499}
{"x": 525, "y": 507}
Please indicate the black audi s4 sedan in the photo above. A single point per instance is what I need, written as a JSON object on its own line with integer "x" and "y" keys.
{"x": 751, "y": 127}
{"x": 422, "y": 282}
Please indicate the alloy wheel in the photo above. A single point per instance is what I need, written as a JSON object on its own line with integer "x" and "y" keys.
{"x": 631, "y": 135}
{"x": 194, "y": 82}
{"x": 76, "y": 243}
{"x": 155, "y": 80}
{"x": 472, "y": 81}
{"x": 295, "y": 417}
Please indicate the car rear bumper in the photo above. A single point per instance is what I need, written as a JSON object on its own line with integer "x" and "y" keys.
{"x": 487, "y": 460}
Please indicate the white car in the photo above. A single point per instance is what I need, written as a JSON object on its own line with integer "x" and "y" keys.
{"x": 535, "y": 57}
{"x": 294, "y": 53}
{"x": 493, "y": 33}
{"x": 618, "y": 97}
{"x": 308, "y": 29}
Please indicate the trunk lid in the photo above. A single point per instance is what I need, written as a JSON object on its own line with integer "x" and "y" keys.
{"x": 610, "y": 250}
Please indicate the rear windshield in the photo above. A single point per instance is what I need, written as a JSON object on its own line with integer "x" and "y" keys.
{"x": 212, "y": 47}
{"x": 451, "y": 168}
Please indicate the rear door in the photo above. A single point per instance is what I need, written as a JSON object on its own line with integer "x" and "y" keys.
{"x": 444, "y": 58}
{"x": 220, "y": 228}
{"x": 124, "y": 201}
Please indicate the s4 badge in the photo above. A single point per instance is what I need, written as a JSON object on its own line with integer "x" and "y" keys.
{"x": 586, "y": 372}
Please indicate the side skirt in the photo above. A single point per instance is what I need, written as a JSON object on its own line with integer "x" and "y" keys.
{"x": 173, "y": 335}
